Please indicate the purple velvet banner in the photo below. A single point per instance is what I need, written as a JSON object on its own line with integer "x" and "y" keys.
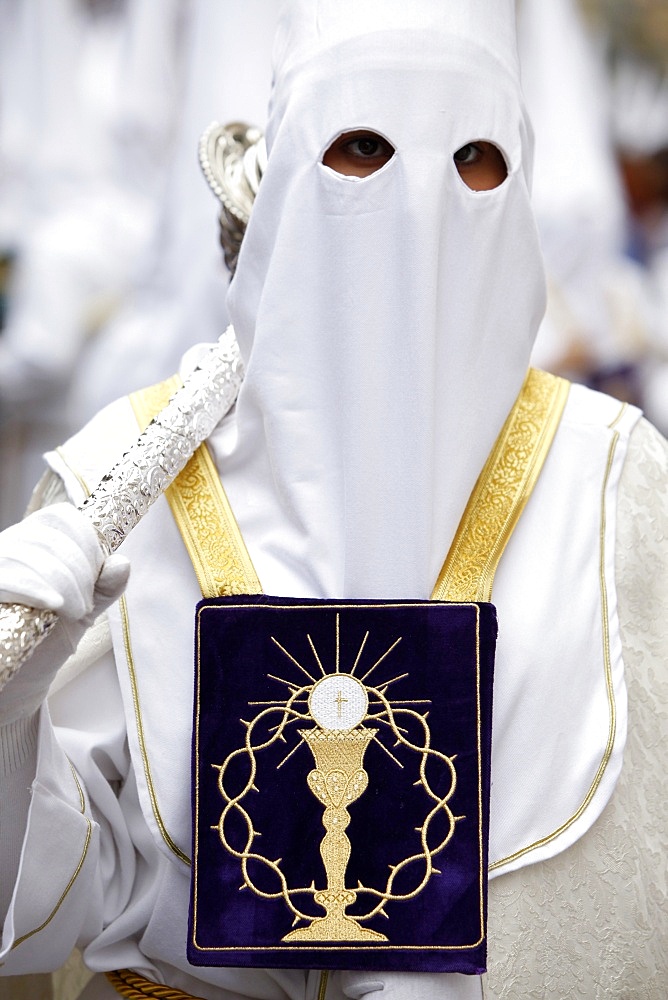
{"x": 341, "y": 755}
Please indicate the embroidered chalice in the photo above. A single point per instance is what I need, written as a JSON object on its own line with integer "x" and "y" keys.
{"x": 338, "y": 703}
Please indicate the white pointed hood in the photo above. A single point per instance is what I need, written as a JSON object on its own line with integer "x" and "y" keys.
{"x": 386, "y": 322}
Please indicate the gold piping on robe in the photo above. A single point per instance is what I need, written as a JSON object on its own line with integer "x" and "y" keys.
{"x": 75, "y": 873}
{"x": 129, "y": 656}
{"x": 322, "y": 985}
{"x": 605, "y": 629}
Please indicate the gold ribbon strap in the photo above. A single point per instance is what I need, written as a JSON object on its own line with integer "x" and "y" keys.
{"x": 202, "y": 511}
{"x": 218, "y": 553}
{"x": 133, "y": 986}
{"x": 502, "y": 490}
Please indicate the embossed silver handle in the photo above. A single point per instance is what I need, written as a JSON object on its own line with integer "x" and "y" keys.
{"x": 123, "y": 496}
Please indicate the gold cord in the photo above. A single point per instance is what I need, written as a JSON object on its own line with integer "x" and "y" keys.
{"x": 135, "y": 987}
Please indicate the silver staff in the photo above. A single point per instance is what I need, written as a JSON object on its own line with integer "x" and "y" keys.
{"x": 124, "y": 495}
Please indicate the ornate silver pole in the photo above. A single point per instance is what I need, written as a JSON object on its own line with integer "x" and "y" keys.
{"x": 124, "y": 495}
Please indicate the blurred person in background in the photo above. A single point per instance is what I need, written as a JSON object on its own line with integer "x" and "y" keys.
{"x": 112, "y": 268}
{"x": 90, "y": 92}
{"x": 640, "y": 132}
{"x": 178, "y": 295}
{"x": 595, "y": 74}
{"x": 597, "y": 328}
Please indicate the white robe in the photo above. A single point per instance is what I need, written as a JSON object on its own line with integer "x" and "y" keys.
{"x": 103, "y": 863}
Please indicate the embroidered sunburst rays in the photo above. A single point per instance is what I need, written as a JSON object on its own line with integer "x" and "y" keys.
{"x": 339, "y": 699}
{"x": 351, "y": 707}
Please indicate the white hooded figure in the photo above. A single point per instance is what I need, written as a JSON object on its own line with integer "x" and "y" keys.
{"x": 388, "y": 290}
{"x": 390, "y": 269}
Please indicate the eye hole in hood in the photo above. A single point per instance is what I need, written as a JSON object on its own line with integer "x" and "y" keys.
{"x": 481, "y": 165}
{"x": 358, "y": 153}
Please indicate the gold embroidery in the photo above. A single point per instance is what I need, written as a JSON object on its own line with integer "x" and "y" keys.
{"x": 201, "y": 509}
{"x": 200, "y": 506}
{"x": 338, "y": 745}
{"x": 339, "y": 777}
{"x": 502, "y": 490}
{"x": 220, "y": 557}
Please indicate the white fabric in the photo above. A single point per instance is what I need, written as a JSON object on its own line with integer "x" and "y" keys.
{"x": 136, "y": 887}
{"x": 18, "y": 751}
{"x": 358, "y": 304}
{"x": 404, "y": 986}
{"x": 51, "y": 560}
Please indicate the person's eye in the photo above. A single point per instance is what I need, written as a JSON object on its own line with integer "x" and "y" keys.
{"x": 468, "y": 154}
{"x": 358, "y": 153}
{"x": 481, "y": 165}
{"x": 365, "y": 146}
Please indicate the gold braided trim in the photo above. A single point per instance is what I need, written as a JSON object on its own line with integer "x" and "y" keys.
{"x": 135, "y": 987}
{"x": 202, "y": 511}
{"x": 502, "y": 490}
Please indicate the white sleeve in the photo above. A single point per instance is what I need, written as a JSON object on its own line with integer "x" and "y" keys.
{"x": 18, "y": 759}
{"x": 63, "y": 835}
{"x": 77, "y": 860}
{"x": 57, "y": 880}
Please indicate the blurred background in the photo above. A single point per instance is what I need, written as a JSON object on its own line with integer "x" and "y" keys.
{"x": 109, "y": 259}
{"x": 110, "y": 265}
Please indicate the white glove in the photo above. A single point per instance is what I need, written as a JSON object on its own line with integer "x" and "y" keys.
{"x": 53, "y": 560}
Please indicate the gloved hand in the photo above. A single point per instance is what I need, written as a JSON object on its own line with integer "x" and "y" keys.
{"x": 53, "y": 560}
